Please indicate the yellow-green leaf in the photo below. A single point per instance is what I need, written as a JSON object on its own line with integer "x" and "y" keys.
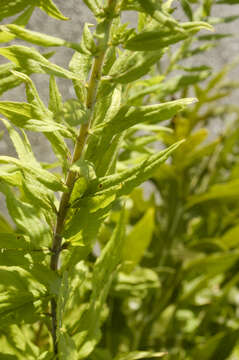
{"x": 138, "y": 240}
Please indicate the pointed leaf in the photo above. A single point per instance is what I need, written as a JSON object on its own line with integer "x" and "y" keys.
{"x": 31, "y": 60}
{"x": 50, "y": 8}
{"x": 153, "y": 40}
{"x": 103, "y": 274}
{"x": 45, "y": 177}
{"x": 138, "y": 240}
{"x": 32, "y": 36}
{"x": 94, "y": 6}
{"x": 131, "y": 66}
{"x": 154, "y": 9}
{"x": 124, "y": 182}
{"x": 135, "y": 355}
{"x": 21, "y": 144}
{"x": 212, "y": 265}
{"x": 55, "y": 102}
{"x": 67, "y": 347}
{"x": 160, "y": 37}
{"x": 228, "y": 191}
{"x": 170, "y": 86}
{"x": 26, "y": 218}
{"x": 29, "y": 117}
{"x": 14, "y": 241}
{"x": 83, "y": 226}
{"x": 129, "y": 116}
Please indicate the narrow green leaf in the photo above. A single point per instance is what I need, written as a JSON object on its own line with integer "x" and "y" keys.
{"x": 135, "y": 355}
{"x": 131, "y": 66}
{"x": 221, "y": 20}
{"x": 199, "y": 49}
{"x": 124, "y": 182}
{"x": 103, "y": 274}
{"x": 218, "y": 346}
{"x": 31, "y": 60}
{"x": 195, "y": 26}
{"x": 25, "y": 299}
{"x": 30, "y": 117}
{"x": 46, "y": 355}
{"x": 21, "y": 144}
{"x": 94, "y": 203}
{"x": 129, "y": 116}
{"x": 83, "y": 226}
{"x": 50, "y": 8}
{"x": 22, "y": 20}
{"x": 26, "y": 218}
{"x": 12, "y": 30}
{"x": 198, "y": 154}
{"x": 11, "y": 175}
{"x": 155, "y": 10}
{"x": 74, "y": 112}
{"x": 138, "y": 240}
{"x": 14, "y": 241}
{"x": 67, "y": 347}
{"x": 55, "y": 101}
{"x": 154, "y": 40}
{"x": 160, "y": 37}
{"x": 192, "y": 142}
{"x": 108, "y": 261}
{"x": 228, "y": 191}
{"x": 45, "y": 177}
{"x": 10, "y": 8}
{"x": 79, "y": 189}
{"x": 229, "y": 2}
{"x": 211, "y": 265}
{"x": 136, "y": 283}
{"x": 62, "y": 299}
{"x": 5, "y": 36}
{"x": 11, "y": 301}
{"x": 187, "y": 9}
{"x": 107, "y": 164}
{"x": 40, "y": 111}
{"x": 40, "y": 197}
{"x": 213, "y": 37}
{"x": 5, "y": 356}
{"x": 94, "y": 6}
{"x": 170, "y": 86}
{"x": 231, "y": 238}
{"x": 32, "y": 36}
{"x": 80, "y": 65}
{"x": 8, "y": 80}
{"x": 48, "y": 118}
{"x": 87, "y": 43}
{"x": 46, "y": 278}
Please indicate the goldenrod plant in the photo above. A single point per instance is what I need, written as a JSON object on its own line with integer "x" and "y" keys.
{"x": 59, "y": 298}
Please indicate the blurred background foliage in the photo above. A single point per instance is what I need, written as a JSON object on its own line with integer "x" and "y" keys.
{"x": 178, "y": 289}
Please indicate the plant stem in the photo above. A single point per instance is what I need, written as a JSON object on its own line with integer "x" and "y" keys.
{"x": 71, "y": 176}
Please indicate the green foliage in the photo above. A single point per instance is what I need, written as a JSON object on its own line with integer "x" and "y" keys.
{"x": 90, "y": 269}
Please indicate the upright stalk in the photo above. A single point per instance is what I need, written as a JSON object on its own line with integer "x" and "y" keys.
{"x": 78, "y": 150}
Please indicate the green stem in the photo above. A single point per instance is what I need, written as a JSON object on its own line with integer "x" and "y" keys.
{"x": 71, "y": 176}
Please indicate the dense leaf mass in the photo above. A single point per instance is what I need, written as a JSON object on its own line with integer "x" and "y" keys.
{"x": 93, "y": 265}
